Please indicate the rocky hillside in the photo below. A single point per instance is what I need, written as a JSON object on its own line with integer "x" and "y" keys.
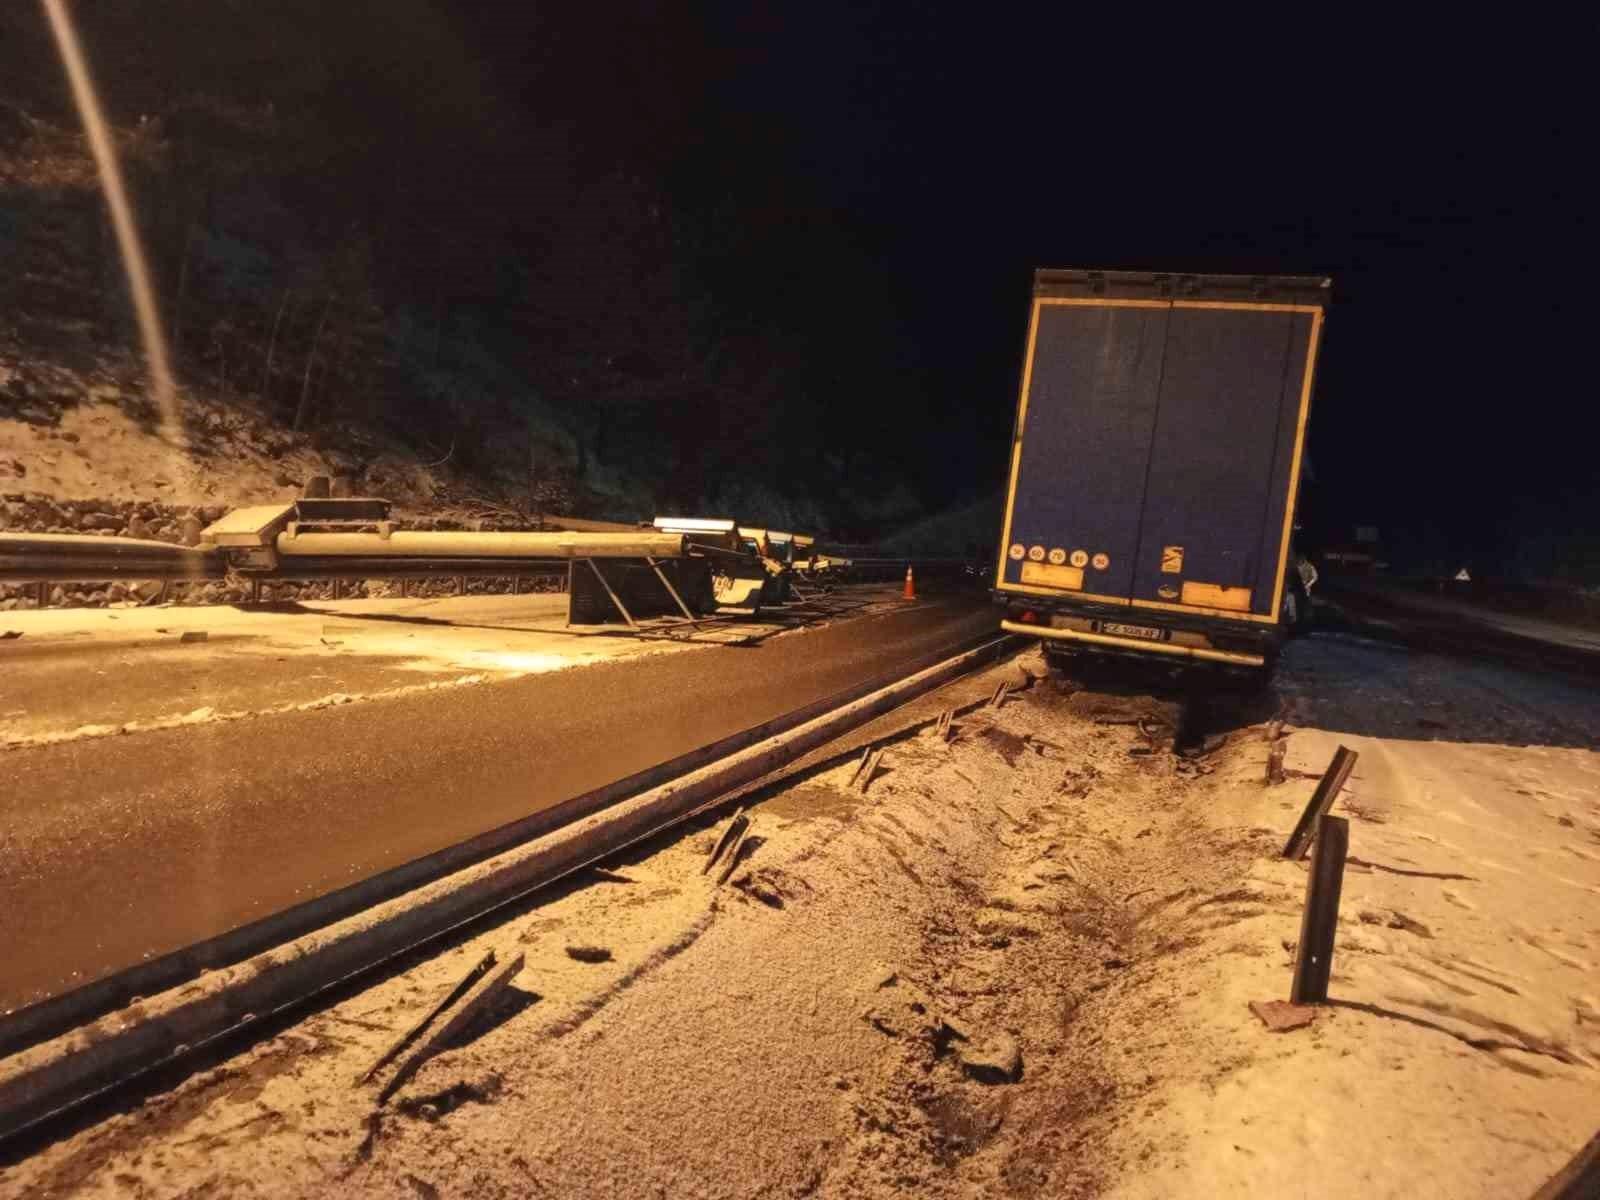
{"x": 378, "y": 257}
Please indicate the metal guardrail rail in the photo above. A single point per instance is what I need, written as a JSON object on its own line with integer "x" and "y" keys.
{"x": 680, "y": 568}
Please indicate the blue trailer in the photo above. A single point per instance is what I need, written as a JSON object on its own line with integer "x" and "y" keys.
{"x": 1155, "y": 465}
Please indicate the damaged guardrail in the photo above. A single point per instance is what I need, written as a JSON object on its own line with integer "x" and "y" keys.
{"x": 646, "y": 572}
{"x": 678, "y": 569}
{"x": 69, "y": 558}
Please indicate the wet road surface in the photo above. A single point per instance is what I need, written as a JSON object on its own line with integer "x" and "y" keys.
{"x": 121, "y": 849}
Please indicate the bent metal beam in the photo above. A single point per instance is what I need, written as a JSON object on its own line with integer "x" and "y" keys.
{"x": 34, "y": 557}
{"x": 440, "y": 546}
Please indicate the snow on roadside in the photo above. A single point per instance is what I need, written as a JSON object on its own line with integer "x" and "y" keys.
{"x": 1018, "y": 965}
{"x": 207, "y": 715}
{"x": 1461, "y": 1054}
{"x": 897, "y": 993}
{"x": 76, "y": 674}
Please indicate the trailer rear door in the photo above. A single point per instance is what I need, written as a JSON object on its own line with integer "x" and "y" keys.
{"x": 1217, "y": 499}
{"x": 1091, "y": 388}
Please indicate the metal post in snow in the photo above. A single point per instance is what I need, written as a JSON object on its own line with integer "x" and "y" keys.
{"x": 1328, "y": 787}
{"x": 1313, "y": 955}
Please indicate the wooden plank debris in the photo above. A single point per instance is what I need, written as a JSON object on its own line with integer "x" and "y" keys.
{"x": 1280, "y": 1016}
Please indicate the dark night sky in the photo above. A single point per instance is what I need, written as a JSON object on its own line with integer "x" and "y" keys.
{"x": 1436, "y": 173}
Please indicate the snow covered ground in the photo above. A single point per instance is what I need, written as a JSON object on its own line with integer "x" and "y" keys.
{"x": 1020, "y": 964}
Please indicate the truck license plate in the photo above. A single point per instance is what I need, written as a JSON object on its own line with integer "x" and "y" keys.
{"x": 1117, "y": 629}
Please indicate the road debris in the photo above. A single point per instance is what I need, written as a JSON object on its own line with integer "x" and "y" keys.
{"x": 588, "y": 954}
{"x": 1279, "y": 1016}
{"x": 868, "y": 768}
{"x": 1277, "y": 747}
{"x": 477, "y": 1000}
{"x": 734, "y": 852}
{"x": 735, "y": 830}
{"x": 455, "y": 992}
{"x": 1152, "y": 731}
{"x": 194, "y": 635}
{"x": 936, "y": 918}
{"x": 1208, "y": 745}
{"x": 1327, "y": 791}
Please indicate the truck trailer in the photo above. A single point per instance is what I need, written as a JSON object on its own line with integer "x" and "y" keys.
{"x": 1155, "y": 465}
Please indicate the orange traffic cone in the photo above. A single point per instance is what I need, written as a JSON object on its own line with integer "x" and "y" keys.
{"x": 911, "y": 585}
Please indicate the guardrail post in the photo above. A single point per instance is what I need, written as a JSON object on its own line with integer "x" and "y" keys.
{"x": 1313, "y": 955}
{"x": 1328, "y": 787}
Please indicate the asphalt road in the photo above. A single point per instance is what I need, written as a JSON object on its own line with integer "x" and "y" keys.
{"x": 1389, "y": 610}
{"x": 121, "y": 849}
